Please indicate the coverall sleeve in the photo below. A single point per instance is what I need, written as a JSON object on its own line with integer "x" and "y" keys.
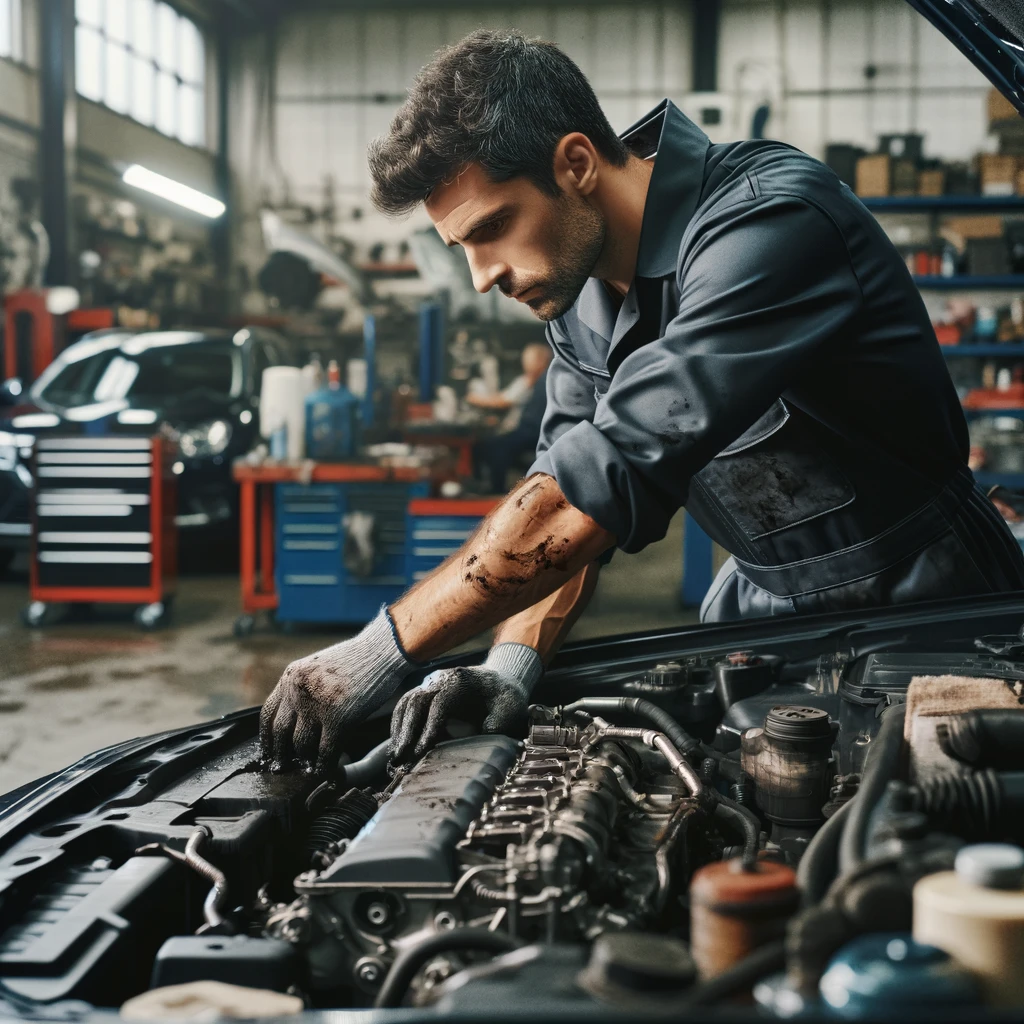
{"x": 570, "y": 398}
{"x": 766, "y": 287}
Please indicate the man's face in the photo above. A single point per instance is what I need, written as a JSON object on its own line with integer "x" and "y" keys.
{"x": 539, "y": 249}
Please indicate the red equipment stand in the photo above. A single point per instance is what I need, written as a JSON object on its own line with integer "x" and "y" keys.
{"x": 256, "y": 510}
{"x": 103, "y": 527}
{"x": 34, "y": 337}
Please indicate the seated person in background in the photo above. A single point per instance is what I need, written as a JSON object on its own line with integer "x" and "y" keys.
{"x": 520, "y": 429}
{"x": 513, "y": 399}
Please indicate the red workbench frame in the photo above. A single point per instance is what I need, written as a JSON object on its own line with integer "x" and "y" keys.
{"x": 256, "y": 561}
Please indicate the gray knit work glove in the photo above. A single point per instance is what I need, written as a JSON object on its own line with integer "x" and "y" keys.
{"x": 492, "y": 697}
{"x": 319, "y": 697}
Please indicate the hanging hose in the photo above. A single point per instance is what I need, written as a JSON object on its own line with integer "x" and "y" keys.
{"x": 218, "y": 894}
{"x": 372, "y": 766}
{"x": 882, "y": 764}
{"x": 986, "y": 738}
{"x": 408, "y": 963}
{"x": 739, "y": 978}
{"x": 819, "y": 864}
{"x": 686, "y": 744}
{"x": 744, "y": 821}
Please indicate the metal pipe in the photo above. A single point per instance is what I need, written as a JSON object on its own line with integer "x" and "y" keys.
{"x": 215, "y": 898}
{"x": 656, "y": 741}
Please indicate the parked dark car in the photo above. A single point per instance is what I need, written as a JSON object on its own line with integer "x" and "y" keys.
{"x": 204, "y": 384}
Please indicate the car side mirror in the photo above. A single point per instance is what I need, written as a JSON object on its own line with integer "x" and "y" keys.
{"x": 10, "y": 391}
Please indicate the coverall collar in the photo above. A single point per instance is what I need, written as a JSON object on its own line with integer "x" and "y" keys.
{"x": 672, "y": 197}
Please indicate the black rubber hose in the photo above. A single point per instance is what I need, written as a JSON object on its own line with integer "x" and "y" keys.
{"x": 986, "y": 738}
{"x": 686, "y": 744}
{"x": 744, "y": 821}
{"x": 881, "y": 766}
{"x": 361, "y": 773}
{"x": 739, "y": 978}
{"x": 408, "y": 963}
{"x": 820, "y": 863}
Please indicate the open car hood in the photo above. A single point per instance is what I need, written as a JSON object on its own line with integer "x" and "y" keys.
{"x": 990, "y": 33}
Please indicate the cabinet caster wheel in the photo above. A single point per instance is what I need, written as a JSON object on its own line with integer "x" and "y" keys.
{"x": 37, "y": 614}
{"x": 244, "y": 626}
{"x": 153, "y": 616}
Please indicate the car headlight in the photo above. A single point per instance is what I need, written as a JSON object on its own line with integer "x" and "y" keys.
{"x": 206, "y": 439}
{"x": 10, "y": 445}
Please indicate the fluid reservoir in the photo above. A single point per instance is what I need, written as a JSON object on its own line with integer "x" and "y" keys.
{"x": 881, "y": 975}
{"x": 733, "y": 911}
{"x": 976, "y": 914}
{"x": 789, "y": 761}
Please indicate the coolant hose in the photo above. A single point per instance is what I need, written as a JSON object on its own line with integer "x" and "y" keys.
{"x": 984, "y": 738}
{"x": 818, "y": 865}
{"x": 686, "y": 744}
{"x": 744, "y": 821}
{"x": 881, "y": 766}
{"x": 739, "y": 978}
{"x": 362, "y": 773}
{"x": 408, "y": 963}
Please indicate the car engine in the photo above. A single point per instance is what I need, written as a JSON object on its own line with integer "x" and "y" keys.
{"x": 812, "y": 828}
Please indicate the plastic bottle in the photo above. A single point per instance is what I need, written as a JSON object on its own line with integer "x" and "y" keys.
{"x": 332, "y": 420}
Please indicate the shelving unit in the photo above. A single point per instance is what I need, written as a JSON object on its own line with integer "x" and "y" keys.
{"x": 935, "y": 207}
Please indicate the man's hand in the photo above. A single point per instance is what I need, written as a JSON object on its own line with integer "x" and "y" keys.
{"x": 492, "y": 697}
{"x": 321, "y": 696}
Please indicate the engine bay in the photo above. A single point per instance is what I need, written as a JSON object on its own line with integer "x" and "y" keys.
{"x": 821, "y": 833}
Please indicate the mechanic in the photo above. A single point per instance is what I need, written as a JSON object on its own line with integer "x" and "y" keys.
{"x": 732, "y": 331}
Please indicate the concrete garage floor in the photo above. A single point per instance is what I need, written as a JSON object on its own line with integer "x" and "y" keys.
{"x": 72, "y": 688}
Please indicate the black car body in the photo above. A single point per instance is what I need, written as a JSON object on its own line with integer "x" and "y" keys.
{"x": 202, "y": 384}
{"x": 181, "y": 856}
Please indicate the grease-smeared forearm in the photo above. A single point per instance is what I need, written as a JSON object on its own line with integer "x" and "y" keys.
{"x": 530, "y": 546}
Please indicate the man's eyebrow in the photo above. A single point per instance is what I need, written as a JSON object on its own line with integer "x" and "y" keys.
{"x": 479, "y": 223}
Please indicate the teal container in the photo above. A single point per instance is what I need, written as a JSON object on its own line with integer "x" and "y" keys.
{"x": 332, "y": 424}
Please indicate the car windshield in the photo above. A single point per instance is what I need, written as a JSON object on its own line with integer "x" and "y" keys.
{"x": 156, "y": 369}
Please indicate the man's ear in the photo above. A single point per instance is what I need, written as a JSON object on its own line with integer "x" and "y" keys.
{"x": 576, "y": 164}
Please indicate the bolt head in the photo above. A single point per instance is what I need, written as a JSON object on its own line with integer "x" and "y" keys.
{"x": 369, "y": 974}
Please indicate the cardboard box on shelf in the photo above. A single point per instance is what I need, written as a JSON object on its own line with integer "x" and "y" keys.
{"x": 904, "y": 177}
{"x": 989, "y": 225}
{"x": 999, "y": 107}
{"x": 931, "y": 183}
{"x": 998, "y": 174}
{"x": 1020, "y": 181}
{"x": 874, "y": 175}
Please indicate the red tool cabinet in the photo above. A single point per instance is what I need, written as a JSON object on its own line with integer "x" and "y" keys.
{"x": 103, "y": 525}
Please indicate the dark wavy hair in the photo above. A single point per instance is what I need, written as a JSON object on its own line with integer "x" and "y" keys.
{"x": 497, "y": 99}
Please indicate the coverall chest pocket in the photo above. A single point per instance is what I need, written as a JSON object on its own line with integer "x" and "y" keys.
{"x": 775, "y": 476}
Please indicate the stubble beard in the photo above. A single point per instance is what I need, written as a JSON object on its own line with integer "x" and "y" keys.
{"x": 582, "y": 230}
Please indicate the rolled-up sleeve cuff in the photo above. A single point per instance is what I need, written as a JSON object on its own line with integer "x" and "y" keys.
{"x": 593, "y": 474}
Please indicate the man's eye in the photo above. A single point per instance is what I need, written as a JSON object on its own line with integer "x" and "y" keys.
{"x": 494, "y": 226}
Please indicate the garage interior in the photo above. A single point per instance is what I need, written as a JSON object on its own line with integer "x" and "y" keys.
{"x": 174, "y": 168}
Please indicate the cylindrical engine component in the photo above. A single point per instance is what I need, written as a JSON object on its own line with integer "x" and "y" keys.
{"x": 343, "y": 821}
{"x": 880, "y": 975}
{"x": 733, "y": 911}
{"x": 984, "y": 738}
{"x": 742, "y": 675}
{"x": 790, "y": 762}
{"x": 980, "y": 925}
{"x": 977, "y": 805}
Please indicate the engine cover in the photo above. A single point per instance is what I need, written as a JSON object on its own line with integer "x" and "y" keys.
{"x": 411, "y": 840}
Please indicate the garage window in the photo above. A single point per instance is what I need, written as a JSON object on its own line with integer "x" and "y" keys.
{"x": 145, "y": 60}
{"x": 10, "y": 30}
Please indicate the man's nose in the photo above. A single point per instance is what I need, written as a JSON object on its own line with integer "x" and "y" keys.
{"x": 486, "y": 273}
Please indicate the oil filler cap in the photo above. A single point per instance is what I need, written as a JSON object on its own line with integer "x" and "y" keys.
{"x": 795, "y": 723}
{"x": 991, "y": 865}
{"x": 629, "y": 966}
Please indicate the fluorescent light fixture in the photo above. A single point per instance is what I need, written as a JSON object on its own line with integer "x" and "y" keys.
{"x": 174, "y": 191}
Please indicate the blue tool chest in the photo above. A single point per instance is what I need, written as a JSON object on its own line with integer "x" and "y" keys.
{"x": 313, "y": 583}
{"x": 432, "y": 538}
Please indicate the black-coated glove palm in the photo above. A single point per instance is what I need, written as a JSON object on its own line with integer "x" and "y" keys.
{"x": 488, "y": 700}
